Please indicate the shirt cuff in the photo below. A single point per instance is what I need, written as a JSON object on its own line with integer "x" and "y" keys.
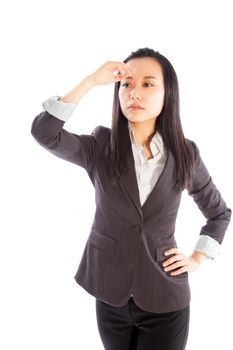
{"x": 208, "y": 245}
{"x": 59, "y": 109}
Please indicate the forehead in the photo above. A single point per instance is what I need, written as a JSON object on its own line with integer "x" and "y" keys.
{"x": 145, "y": 66}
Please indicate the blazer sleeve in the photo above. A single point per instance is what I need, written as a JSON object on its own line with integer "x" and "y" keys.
{"x": 209, "y": 200}
{"x": 78, "y": 149}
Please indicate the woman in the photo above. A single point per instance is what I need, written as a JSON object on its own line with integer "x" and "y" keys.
{"x": 139, "y": 168}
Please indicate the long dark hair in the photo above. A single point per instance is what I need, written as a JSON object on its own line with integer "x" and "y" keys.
{"x": 168, "y": 124}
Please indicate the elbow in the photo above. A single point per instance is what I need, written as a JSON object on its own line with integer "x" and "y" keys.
{"x": 228, "y": 214}
{"x": 46, "y": 130}
{"x": 36, "y": 129}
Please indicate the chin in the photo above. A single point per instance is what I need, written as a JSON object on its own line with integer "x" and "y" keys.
{"x": 137, "y": 118}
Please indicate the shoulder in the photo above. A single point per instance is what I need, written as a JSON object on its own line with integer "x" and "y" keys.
{"x": 101, "y": 134}
{"x": 193, "y": 146}
{"x": 100, "y": 131}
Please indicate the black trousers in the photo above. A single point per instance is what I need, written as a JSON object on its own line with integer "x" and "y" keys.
{"x": 131, "y": 328}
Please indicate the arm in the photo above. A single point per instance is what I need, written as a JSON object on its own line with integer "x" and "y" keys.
{"x": 47, "y": 127}
{"x": 217, "y": 214}
{"x": 198, "y": 256}
{"x": 75, "y": 95}
{"x": 213, "y": 207}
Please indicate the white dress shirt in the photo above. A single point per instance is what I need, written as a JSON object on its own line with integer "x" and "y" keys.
{"x": 147, "y": 170}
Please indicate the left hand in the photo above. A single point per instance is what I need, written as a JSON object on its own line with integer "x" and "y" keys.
{"x": 181, "y": 261}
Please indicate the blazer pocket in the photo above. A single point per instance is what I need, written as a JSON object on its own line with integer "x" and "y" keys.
{"x": 101, "y": 241}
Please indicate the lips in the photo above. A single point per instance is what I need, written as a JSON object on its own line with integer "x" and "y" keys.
{"x": 135, "y": 107}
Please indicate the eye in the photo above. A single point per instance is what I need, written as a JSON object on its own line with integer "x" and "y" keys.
{"x": 125, "y": 84}
{"x": 148, "y": 84}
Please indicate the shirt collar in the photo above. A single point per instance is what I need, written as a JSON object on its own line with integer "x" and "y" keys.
{"x": 156, "y": 141}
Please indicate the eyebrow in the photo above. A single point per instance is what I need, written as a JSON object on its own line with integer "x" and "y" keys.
{"x": 146, "y": 77}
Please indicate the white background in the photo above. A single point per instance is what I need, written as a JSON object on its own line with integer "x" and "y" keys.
{"x": 47, "y": 204}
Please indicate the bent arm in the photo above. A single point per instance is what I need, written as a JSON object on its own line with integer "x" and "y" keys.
{"x": 47, "y": 127}
{"x": 213, "y": 207}
{"x": 49, "y": 133}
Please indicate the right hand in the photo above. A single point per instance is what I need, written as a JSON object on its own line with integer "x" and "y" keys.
{"x": 106, "y": 74}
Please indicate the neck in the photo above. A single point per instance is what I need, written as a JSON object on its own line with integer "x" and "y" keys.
{"x": 144, "y": 131}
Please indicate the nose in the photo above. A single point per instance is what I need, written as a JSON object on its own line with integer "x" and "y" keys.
{"x": 135, "y": 95}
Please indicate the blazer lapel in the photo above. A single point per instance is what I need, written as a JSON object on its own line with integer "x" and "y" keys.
{"x": 159, "y": 182}
{"x": 130, "y": 184}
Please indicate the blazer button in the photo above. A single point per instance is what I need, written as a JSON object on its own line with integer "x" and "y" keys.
{"x": 137, "y": 228}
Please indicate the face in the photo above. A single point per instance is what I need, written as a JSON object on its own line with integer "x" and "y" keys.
{"x": 141, "y": 95}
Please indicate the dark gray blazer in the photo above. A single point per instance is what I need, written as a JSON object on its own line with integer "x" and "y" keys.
{"x": 124, "y": 251}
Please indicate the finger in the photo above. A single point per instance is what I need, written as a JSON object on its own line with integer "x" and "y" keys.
{"x": 179, "y": 271}
{"x": 172, "y": 251}
{"x": 118, "y": 76}
{"x": 126, "y": 68}
{"x": 121, "y": 74}
{"x": 173, "y": 259}
{"x": 175, "y": 265}
{"x": 122, "y": 69}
